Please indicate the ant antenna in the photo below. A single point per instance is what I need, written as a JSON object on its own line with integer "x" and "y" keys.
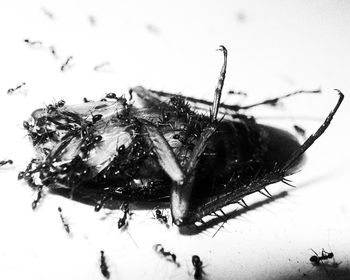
{"x": 218, "y": 90}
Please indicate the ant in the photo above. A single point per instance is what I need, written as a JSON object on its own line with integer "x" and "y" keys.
{"x": 198, "y": 267}
{"x": 11, "y": 90}
{"x": 299, "y": 130}
{"x": 4, "y": 162}
{"x": 122, "y": 221}
{"x": 160, "y": 250}
{"x": 66, "y": 226}
{"x": 103, "y": 266}
{"x": 316, "y": 259}
{"x": 33, "y": 43}
{"x": 102, "y": 67}
{"x": 237, "y": 93}
{"x": 53, "y": 51}
{"x": 158, "y": 214}
{"x": 65, "y": 65}
{"x": 38, "y": 197}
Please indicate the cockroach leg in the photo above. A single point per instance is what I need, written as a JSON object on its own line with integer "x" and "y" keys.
{"x": 218, "y": 90}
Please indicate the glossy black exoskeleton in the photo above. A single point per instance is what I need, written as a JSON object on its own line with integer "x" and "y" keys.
{"x": 198, "y": 267}
{"x": 158, "y": 148}
{"x": 316, "y": 259}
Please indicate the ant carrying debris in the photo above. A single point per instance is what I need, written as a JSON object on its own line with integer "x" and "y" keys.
{"x": 65, "y": 65}
{"x": 4, "y": 162}
{"x": 66, "y": 226}
{"x": 12, "y": 90}
{"x": 161, "y": 251}
{"x": 103, "y": 266}
{"x": 198, "y": 267}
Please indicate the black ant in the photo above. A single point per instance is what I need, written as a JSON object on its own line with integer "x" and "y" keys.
{"x": 102, "y": 66}
{"x": 103, "y": 266}
{"x": 38, "y": 197}
{"x": 12, "y": 90}
{"x": 299, "y": 130}
{"x": 122, "y": 221}
{"x": 160, "y": 217}
{"x": 66, "y": 226}
{"x": 160, "y": 250}
{"x": 316, "y": 259}
{"x": 198, "y": 267}
{"x": 53, "y": 51}
{"x": 33, "y": 43}
{"x": 65, "y": 64}
{"x": 4, "y": 162}
{"x": 233, "y": 92}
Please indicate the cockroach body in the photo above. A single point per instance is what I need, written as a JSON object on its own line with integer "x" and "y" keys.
{"x": 158, "y": 148}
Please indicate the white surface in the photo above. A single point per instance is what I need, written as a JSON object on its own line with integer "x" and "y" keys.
{"x": 279, "y": 47}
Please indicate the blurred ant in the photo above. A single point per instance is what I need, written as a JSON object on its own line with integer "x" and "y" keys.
{"x": 33, "y": 43}
{"x": 160, "y": 250}
{"x": 47, "y": 13}
{"x": 237, "y": 92}
{"x": 158, "y": 215}
{"x": 198, "y": 267}
{"x": 86, "y": 100}
{"x": 4, "y": 162}
{"x": 316, "y": 259}
{"x": 103, "y": 266}
{"x": 92, "y": 20}
{"x": 11, "y": 90}
{"x": 300, "y": 130}
{"x": 53, "y": 51}
{"x": 66, "y": 226}
{"x": 122, "y": 221}
{"x": 65, "y": 64}
{"x": 38, "y": 197}
{"x": 102, "y": 67}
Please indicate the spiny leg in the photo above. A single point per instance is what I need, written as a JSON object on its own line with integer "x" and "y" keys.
{"x": 218, "y": 90}
{"x": 181, "y": 191}
{"x": 312, "y": 138}
{"x": 218, "y": 202}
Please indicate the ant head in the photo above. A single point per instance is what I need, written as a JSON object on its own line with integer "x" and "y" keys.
{"x": 314, "y": 259}
{"x": 196, "y": 261}
{"x": 158, "y": 212}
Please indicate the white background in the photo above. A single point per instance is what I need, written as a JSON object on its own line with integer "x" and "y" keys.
{"x": 275, "y": 47}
